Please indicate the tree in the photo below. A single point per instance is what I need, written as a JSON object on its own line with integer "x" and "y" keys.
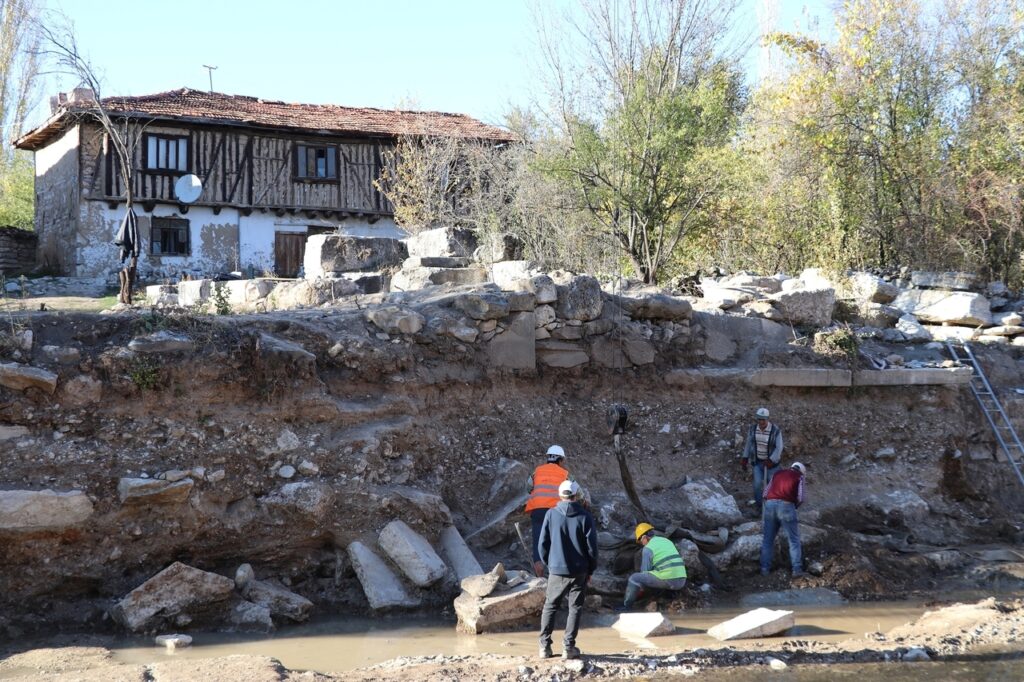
{"x": 19, "y": 77}
{"x": 16, "y": 191}
{"x": 123, "y": 135}
{"x": 652, "y": 103}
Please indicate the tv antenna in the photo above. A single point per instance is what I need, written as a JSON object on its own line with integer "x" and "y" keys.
{"x": 209, "y": 71}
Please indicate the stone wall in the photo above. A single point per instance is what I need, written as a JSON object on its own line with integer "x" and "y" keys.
{"x": 17, "y": 251}
{"x": 56, "y": 219}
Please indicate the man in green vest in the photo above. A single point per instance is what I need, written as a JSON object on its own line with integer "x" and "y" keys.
{"x": 661, "y": 567}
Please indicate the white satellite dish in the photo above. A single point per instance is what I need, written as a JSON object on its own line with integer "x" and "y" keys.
{"x": 188, "y": 188}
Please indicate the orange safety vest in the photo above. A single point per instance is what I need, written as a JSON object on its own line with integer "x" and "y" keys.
{"x": 546, "y": 478}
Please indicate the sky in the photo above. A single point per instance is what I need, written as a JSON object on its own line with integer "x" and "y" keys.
{"x": 468, "y": 56}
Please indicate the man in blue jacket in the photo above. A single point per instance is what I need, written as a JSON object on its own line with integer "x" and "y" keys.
{"x": 568, "y": 548}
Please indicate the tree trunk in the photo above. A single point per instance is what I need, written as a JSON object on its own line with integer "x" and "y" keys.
{"x": 127, "y": 280}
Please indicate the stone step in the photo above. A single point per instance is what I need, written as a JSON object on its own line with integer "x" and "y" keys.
{"x": 383, "y": 589}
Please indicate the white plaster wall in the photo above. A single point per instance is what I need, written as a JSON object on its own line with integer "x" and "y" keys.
{"x": 56, "y": 202}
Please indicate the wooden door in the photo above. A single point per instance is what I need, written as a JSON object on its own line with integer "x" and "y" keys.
{"x": 289, "y": 247}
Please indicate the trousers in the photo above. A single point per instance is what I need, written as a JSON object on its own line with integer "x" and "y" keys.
{"x": 560, "y": 588}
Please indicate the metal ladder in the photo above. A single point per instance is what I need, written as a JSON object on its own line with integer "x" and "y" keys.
{"x": 991, "y": 408}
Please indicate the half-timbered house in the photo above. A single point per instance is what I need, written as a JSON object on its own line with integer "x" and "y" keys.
{"x": 272, "y": 173}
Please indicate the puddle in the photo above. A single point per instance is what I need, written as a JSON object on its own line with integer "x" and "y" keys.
{"x": 335, "y": 646}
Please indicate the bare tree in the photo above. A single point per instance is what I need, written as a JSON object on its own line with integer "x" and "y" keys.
{"x": 19, "y": 67}
{"x": 122, "y": 135}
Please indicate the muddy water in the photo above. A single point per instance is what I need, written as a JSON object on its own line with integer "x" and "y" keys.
{"x": 336, "y": 646}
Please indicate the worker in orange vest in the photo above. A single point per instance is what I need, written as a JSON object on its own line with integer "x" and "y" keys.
{"x": 543, "y": 487}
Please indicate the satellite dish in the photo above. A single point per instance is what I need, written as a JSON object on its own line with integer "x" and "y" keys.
{"x": 188, "y": 188}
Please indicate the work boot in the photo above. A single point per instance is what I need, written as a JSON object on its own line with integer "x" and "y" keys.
{"x": 571, "y": 653}
{"x": 545, "y": 651}
{"x": 633, "y": 594}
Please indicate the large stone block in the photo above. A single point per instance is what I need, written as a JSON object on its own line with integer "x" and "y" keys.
{"x": 194, "y": 292}
{"x": 381, "y": 586}
{"x": 175, "y": 590}
{"x": 644, "y": 624}
{"x": 412, "y": 279}
{"x": 520, "y": 606}
{"x": 31, "y": 510}
{"x": 245, "y": 293}
{"x": 926, "y": 376}
{"x": 951, "y": 281}
{"x": 509, "y": 275}
{"x": 162, "y": 342}
{"x": 580, "y": 299}
{"x": 278, "y": 599}
{"x": 328, "y": 255}
{"x": 708, "y": 505}
{"x": 871, "y": 289}
{"x": 412, "y": 553}
{"x": 396, "y": 319}
{"x": 443, "y": 241}
{"x": 515, "y": 348}
{"x": 483, "y": 306}
{"x": 655, "y": 307}
{"x": 23, "y": 377}
{"x": 561, "y": 354}
{"x": 806, "y": 306}
{"x": 800, "y": 376}
{"x": 756, "y": 623}
{"x": 460, "y": 556}
{"x": 945, "y": 307}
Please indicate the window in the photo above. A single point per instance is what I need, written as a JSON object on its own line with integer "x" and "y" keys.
{"x": 166, "y": 152}
{"x": 316, "y": 163}
{"x": 169, "y": 237}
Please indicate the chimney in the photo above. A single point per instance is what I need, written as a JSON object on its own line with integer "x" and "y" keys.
{"x": 57, "y": 101}
{"x": 82, "y": 95}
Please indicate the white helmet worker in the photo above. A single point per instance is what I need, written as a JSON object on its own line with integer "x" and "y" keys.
{"x": 555, "y": 453}
{"x": 568, "y": 490}
{"x": 799, "y": 467}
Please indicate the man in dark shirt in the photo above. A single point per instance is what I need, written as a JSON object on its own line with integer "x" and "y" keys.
{"x": 782, "y": 497}
{"x": 568, "y": 548}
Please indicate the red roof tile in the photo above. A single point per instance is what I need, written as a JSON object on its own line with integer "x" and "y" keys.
{"x": 214, "y": 107}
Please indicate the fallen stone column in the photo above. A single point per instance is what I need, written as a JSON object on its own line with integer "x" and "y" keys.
{"x": 381, "y": 586}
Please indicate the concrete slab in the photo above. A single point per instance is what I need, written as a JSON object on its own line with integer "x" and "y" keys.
{"x": 756, "y": 623}
{"x": 801, "y": 376}
{"x": 412, "y": 553}
{"x": 927, "y": 376}
{"x": 382, "y": 587}
{"x": 644, "y": 624}
{"x": 460, "y": 556}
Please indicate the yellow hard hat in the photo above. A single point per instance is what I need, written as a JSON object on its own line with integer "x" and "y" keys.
{"x": 642, "y": 529}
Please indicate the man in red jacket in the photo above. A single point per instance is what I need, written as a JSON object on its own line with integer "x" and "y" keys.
{"x": 782, "y": 497}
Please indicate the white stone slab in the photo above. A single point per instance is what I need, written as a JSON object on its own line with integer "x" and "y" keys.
{"x": 756, "y": 623}
{"x": 382, "y": 587}
{"x": 412, "y": 553}
{"x": 644, "y": 624}
{"x": 460, "y": 556}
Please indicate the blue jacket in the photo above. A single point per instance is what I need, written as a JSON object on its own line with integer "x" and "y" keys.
{"x": 568, "y": 540}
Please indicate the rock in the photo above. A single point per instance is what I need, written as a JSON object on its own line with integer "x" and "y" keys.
{"x": 912, "y": 330}
{"x": 868, "y": 288}
{"x": 598, "y": 327}
{"x": 504, "y": 247}
{"x": 656, "y": 307}
{"x": 458, "y": 329}
{"x": 307, "y": 468}
{"x": 746, "y": 548}
{"x": 644, "y": 624}
{"x": 776, "y": 664}
{"x": 951, "y": 333}
{"x": 744, "y": 280}
{"x": 460, "y": 556}
{"x": 561, "y": 354}
{"x": 878, "y": 315}
{"x": 64, "y": 355}
{"x": 756, "y": 623}
{"x": 708, "y": 505}
{"x": 916, "y": 655}
{"x": 35, "y": 510}
{"x": 412, "y": 553}
{"x": 1007, "y": 319}
{"x": 245, "y": 615}
{"x": 483, "y": 306}
{"x": 146, "y": 491}
{"x": 483, "y": 585}
{"x": 243, "y": 576}
{"x": 815, "y": 568}
{"x": 515, "y": 348}
{"x": 435, "y": 262}
{"x": 639, "y": 351}
{"x": 953, "y": 281}
{"x": 810, "y": 596}
{"x": 580, "y": 299}
{"x": 281, "y": 351}
{"x": 521, "y": 301}
{"x": 888, "y": 452}
{"x": 806, "y": 306}
{"x": 303, "y": 497}
{"x": 509, "y": 274}
{"x": 329, "y": 255}
{"x": 162, "y": 342}
{"x": 279, "y": 600}
{"x": 23, "y": 377}
{"x": 178, "y": 589}
{"x": 82, "y": 390}
{"x": 393, "y": 319}
{"x": 8, "y": 432}
{"x": 23, "y": 339}
{"x": 899, "y": 505}
{"x": 1004, "y": 330}
{"x": 542, "y": 287}
{"x": 446, "y": 242}
{"x": 945, "y": 307}
{"x": 287, "y": 441}
{"x": 381, "y": 586}
{"x": 608, "y": 351}
{"x": 412, "y": 279}
{"x": 172, "y": 642}
{"x": 287, "y": 471}
{"x": 520, "y": 606}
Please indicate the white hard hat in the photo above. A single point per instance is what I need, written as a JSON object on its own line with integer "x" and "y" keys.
{"x": 762, "y": 413}
{"x": 568, "y": 489}
{"x": 555, "y": 452}
{"x": 799, "y": 467}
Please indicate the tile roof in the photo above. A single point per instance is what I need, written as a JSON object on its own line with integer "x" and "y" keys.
{"x": 213, "y": 107}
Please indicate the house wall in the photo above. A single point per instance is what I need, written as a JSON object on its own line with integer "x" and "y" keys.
{"x": 57, "y": 196}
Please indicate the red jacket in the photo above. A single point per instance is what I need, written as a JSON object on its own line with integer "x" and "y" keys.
{"x": 787, "y": 485}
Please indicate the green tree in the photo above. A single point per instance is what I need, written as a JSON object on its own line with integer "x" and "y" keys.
{"x": 16, "y": 191}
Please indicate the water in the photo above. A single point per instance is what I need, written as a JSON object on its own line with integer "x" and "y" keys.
{"x": 336, "y": 646}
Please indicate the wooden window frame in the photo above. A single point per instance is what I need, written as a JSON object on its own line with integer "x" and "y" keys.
{"x": 146, "y": 137}
{"x": 298, "y": 172}
{"x": 170, "y": 219}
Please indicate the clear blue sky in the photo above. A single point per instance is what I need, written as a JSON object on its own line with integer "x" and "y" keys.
{"x": 469, "y": 56}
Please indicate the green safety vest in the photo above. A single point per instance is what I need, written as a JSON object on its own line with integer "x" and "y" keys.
{"x": 666, "y": 562}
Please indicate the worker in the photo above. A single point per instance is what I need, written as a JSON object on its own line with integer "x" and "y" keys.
{"x": 782, "y": 497}
{"x": 568, "y": 548}
{"x": 543, "y": 489}
{"x": 661, "y": 567}
{"x": 763, "y": 451}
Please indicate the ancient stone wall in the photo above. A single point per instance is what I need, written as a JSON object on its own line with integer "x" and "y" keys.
{"x": 17, "y": 251}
